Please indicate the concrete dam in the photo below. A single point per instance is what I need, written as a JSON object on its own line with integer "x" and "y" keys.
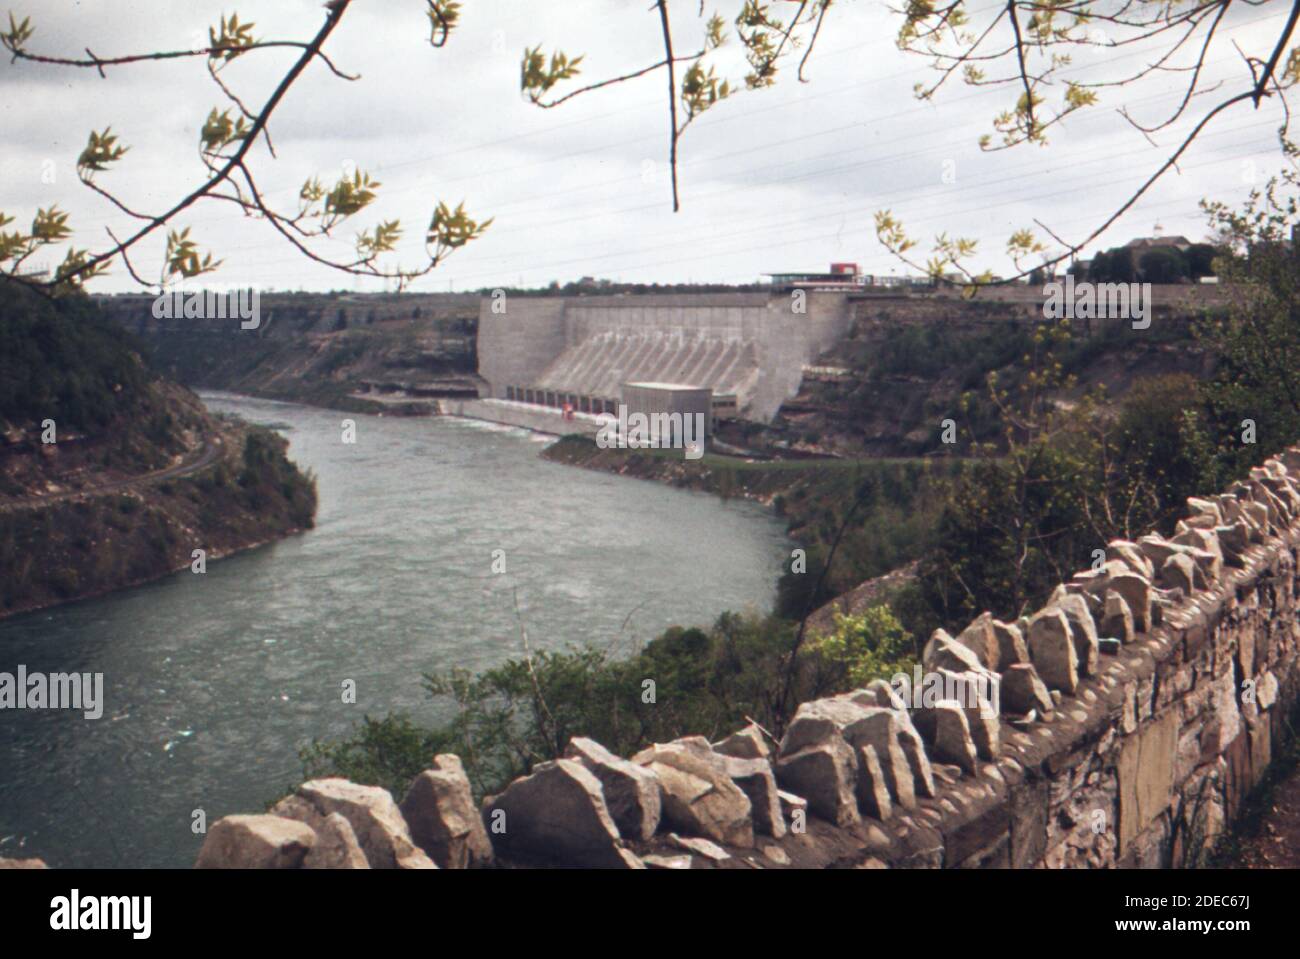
{"x": 539, "y": 354}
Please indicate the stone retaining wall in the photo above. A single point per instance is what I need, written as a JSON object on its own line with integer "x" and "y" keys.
{"x": 1121, "y": 725}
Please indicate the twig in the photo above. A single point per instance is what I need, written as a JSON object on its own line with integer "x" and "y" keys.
{"x": 532, "y": 674}
{"x": 672, "y": 97}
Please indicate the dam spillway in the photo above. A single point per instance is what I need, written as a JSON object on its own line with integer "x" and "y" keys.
{"x": 749, "y": 348}
{"x": 601, "y": 364}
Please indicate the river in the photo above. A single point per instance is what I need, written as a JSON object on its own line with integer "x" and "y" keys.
{"x": 213, "y": 682}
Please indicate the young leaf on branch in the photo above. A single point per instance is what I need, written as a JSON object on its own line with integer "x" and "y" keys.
{"x": 220, "y": 130}
{"x": 443, "y": 17}
{"x": 451, "y": 229}
{"x": 18, "y": 34}
{"x": 701, "y": 89}
{"x": 101, "y": 150}
{"x": 231, "y": 40}
{"x": 50, "y": 226}
{"x": 382, "y": 239}
{"x": 183, "y": 258}
{"x": 349, "y": 197}
{"x": 536, "y": 79}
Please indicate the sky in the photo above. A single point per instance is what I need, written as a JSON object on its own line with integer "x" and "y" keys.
{"x": 780, "y": 180}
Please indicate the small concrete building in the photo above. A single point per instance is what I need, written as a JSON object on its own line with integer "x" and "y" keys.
{"x": 654, "y": 400}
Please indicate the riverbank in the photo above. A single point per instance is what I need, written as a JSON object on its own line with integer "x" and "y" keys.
{"x": 239, "y": 493}
{"x": 112, "y": 475}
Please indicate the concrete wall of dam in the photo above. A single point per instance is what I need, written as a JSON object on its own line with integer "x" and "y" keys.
{"x": 524, "y": 416}
{"x": 751, "y": 345}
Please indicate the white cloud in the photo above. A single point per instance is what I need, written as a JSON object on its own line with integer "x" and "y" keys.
{"x": 783, "y": 179}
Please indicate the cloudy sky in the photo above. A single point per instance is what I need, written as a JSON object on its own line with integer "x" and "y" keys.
{"x": 779, "y": 180}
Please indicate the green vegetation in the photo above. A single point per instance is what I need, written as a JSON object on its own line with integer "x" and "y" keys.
{"x": 870, "y": 645}
{"x": 687, "y": 681}
{"x": 913, "y": 376}
{"x": 64, "y": 358}
{"x": 117, "y": 422}
{"x": 1162, "y": 264}
{"x": 69, "y": 549}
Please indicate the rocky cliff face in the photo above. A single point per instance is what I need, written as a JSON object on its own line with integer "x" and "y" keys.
{"x": 907, "y": 361}
{"x": 1121, "y": 725}
{"x": 320, "y": 349}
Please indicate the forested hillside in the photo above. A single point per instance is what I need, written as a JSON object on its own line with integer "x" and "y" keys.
{"x": 112, "y": 475}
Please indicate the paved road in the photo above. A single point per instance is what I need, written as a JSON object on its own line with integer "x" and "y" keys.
{"x": 211, "y": 452}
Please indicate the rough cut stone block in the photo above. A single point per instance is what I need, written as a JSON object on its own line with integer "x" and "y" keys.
{"x": 1011, "y": 645}
{"x": 1130, "y": 554}
{"x": 1259, "y": 516}
{"x": 1266, "y": 690}
{"x": 557, "y": 814}
{"x": 336, "y": 846}
{"x": 1179, "y": 572}
{"x": 873, "y": 792}
{"x": 817, "y": 721}
{"x": 1146, "y": 772}
{"x": 1023, "y": 691}
{"x": 944, "y": 652}
{"x": 1136, "y": 591}
{"x": 1234, "y": 540}
{"x": 702, "y": 847}
{"x": 757, "y": 781}
{"x": 979, "y": 694}
{"x": 1225, "y": 723}
{"x": 826, "y": 776}
{"x": 631, "y": 791}
{"x": 1083, "y": 632}
{"x": 1052, "y": 649}
{"x": 1117, "y": 621}
{"x": 1159, "y": 550}
{"x": 981, "y": 640}
{"x": 696, "y": 794}
{"x": 256, "y": 842}
{"x": 747, "y": 743}
{"x": 879, "y": 729}
{"x": 791, "y": 804}
{"x": 1207, "y": 541}
{"x": 1235, "y": 514}
{"x": 944, "y": 726}
{"x": 880, "y": 693}
{"x": 1205, "y": 506}
{"x": 375, "y": 819}
{"x": 440, "y": 812}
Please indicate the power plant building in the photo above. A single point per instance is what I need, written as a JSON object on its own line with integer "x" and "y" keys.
{"x": 666, "y": 407}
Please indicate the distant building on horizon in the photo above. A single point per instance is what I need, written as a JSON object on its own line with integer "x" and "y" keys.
{"x": 1156, "y": 242}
